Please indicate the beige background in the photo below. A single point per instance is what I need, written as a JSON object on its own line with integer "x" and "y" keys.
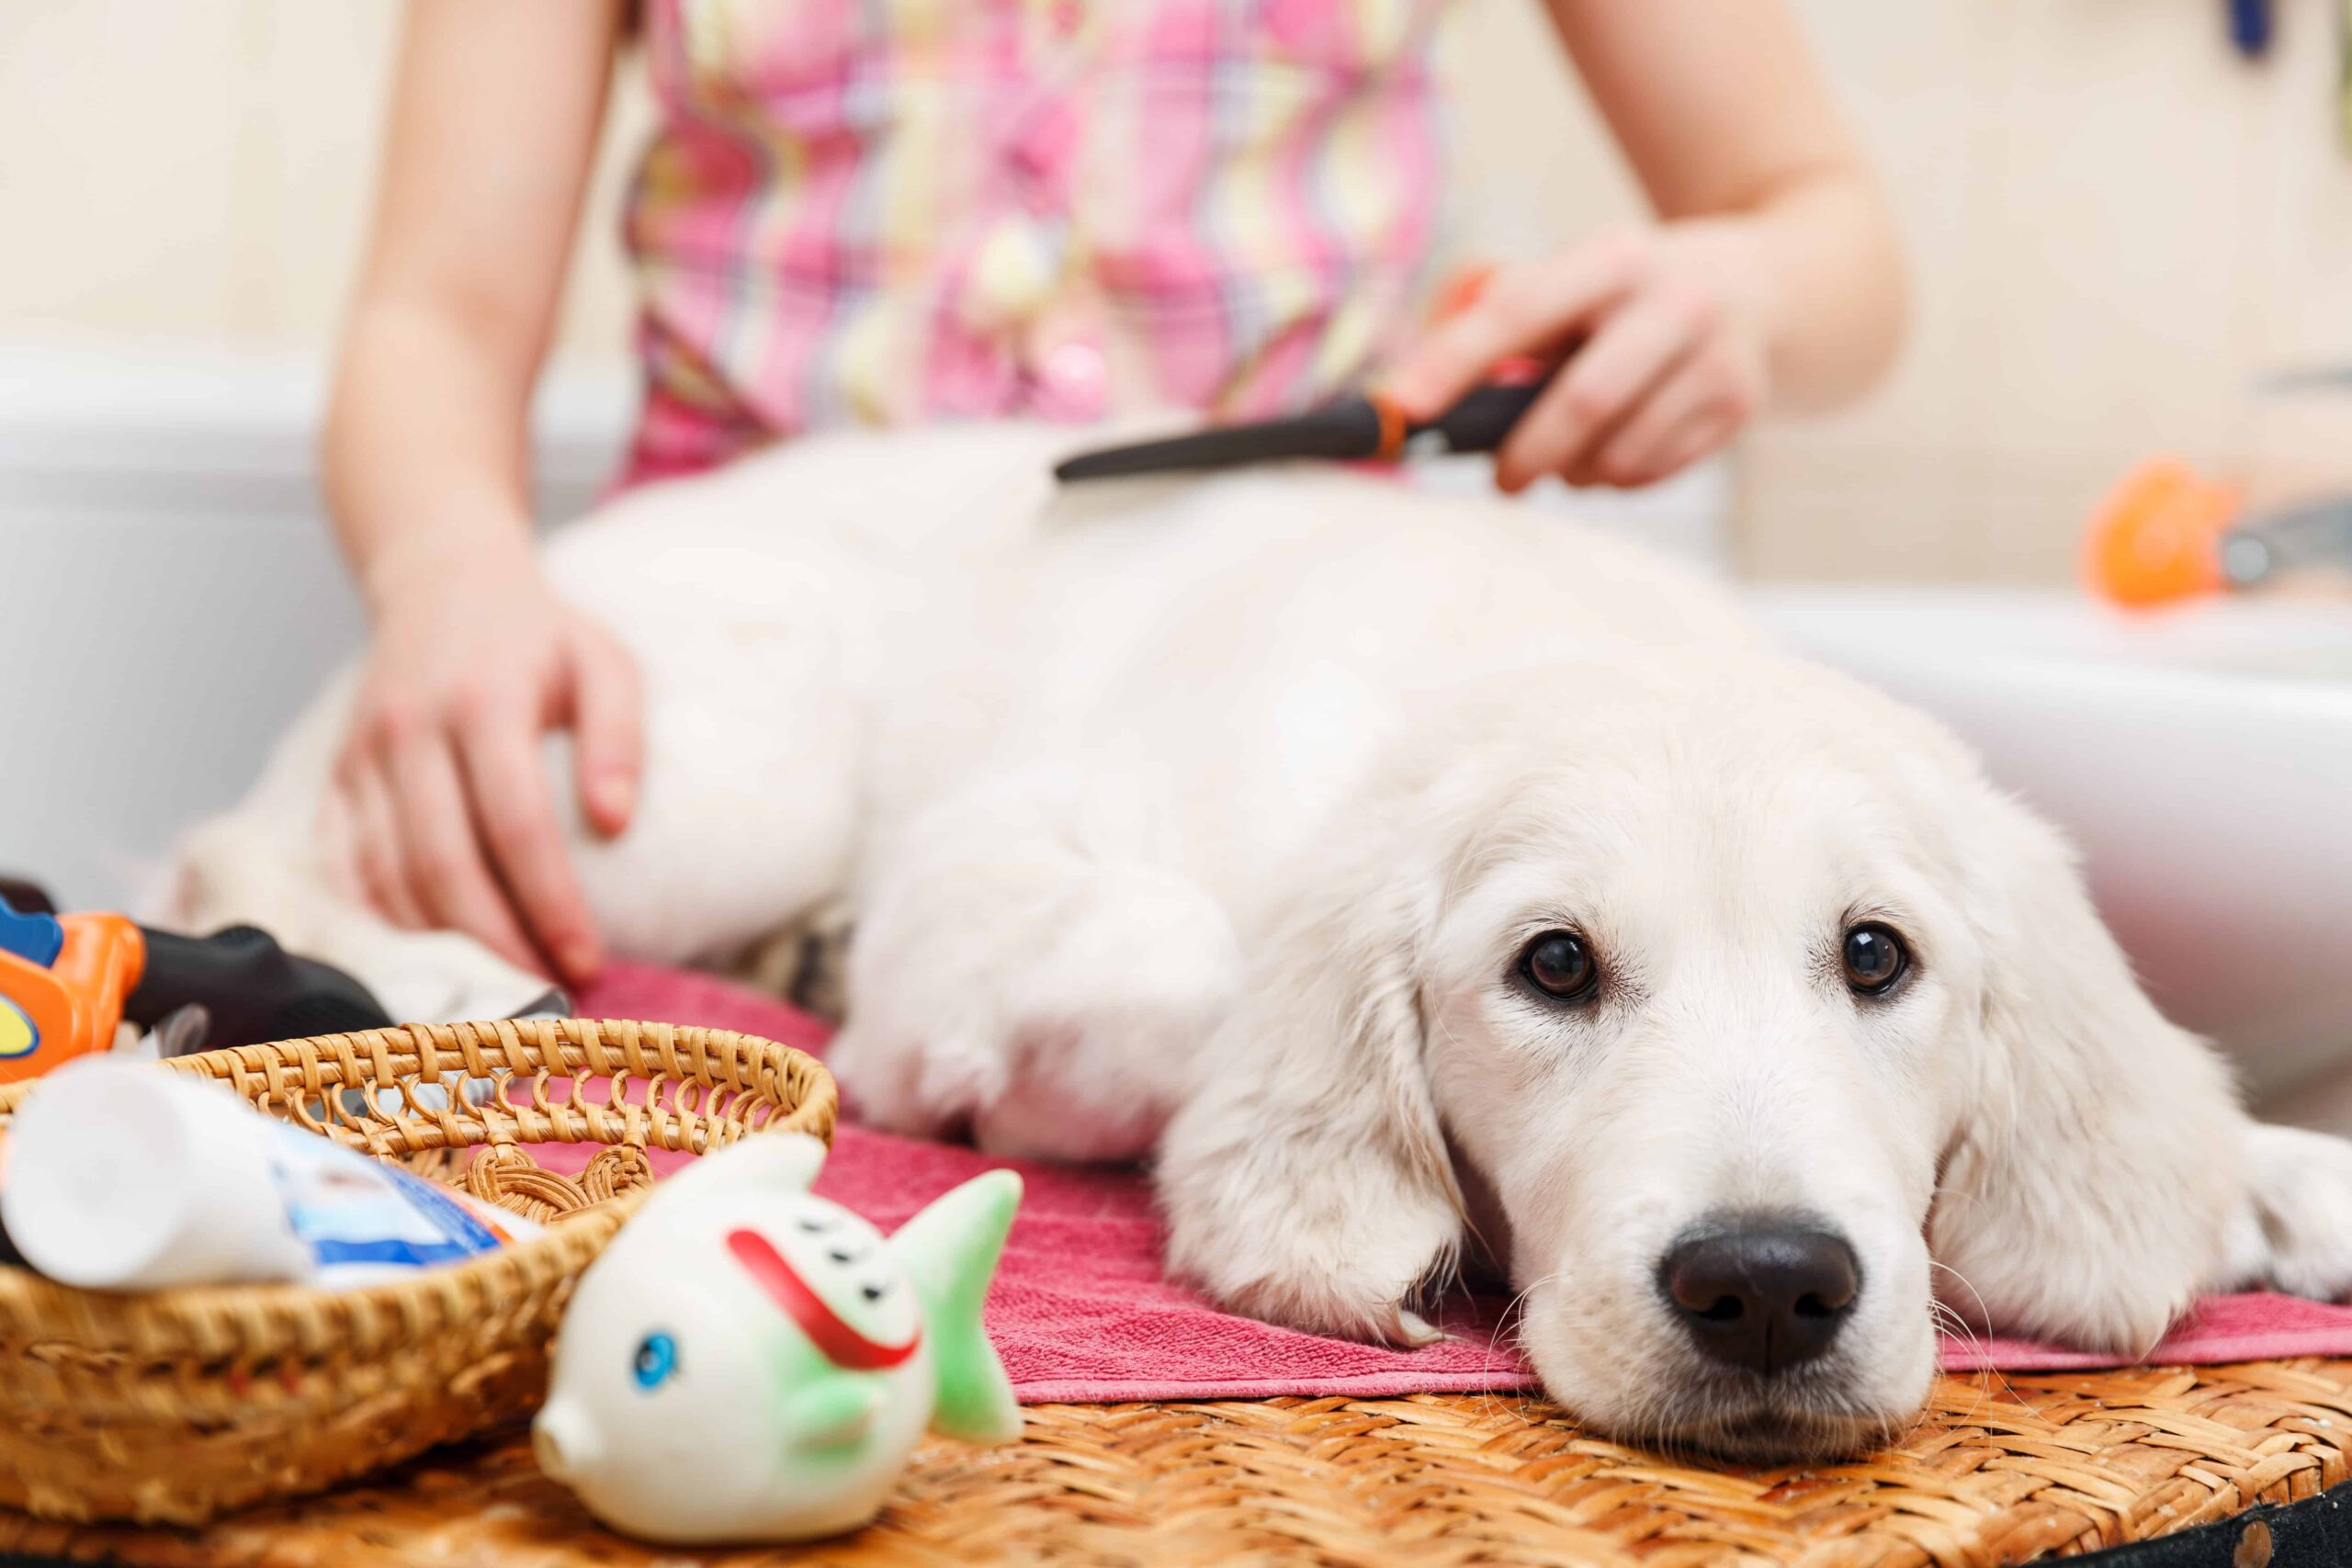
{"x": 2114, "y": 224}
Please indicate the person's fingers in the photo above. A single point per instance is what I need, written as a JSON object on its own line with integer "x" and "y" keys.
{"x": 607, "y": 733}
{"x": 1528, "y": 310}
{"x": 1630, "y": 454}
{"x": 374, "y": 843}
{"x": 1703, "y": 429}
{"x": 1708, "y": 431}
{"x": 1632, "y": 352}
{"x": 514, "y": 805}
{"x": 441, "y": 855}
{"x": 1716, "y": 387}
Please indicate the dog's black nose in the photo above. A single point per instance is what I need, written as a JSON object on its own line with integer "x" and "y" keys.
{"x": 1761, "y": 1294}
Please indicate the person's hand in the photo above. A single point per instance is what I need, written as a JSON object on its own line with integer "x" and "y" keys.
{"x": 1668, "y": 358}
{"x": 441, "y": 810}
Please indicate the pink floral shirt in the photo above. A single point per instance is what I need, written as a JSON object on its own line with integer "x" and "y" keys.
{"x": 888, "y": 211}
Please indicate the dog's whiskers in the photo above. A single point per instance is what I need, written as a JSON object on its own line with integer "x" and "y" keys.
{"x": 1509, "y": 1326}
{"x": 1945, "y": 1314}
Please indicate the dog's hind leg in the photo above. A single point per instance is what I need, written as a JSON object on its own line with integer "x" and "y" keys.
{"x": 1024, "y": 974}
{"x": 748, "y": 816}
{"x": 263, "y": 863}
{"x": 745, "y": 818}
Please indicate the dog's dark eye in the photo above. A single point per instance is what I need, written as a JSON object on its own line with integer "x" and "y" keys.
{"x": 1559, "y": 964}
{"x": 1875, "y": 958}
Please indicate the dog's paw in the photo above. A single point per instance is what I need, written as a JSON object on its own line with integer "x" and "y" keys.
{"x": 1052, "y": 1004}
{"x": 1341, "y": 1250}
{"x": 1018, "y": 1096}
{"x": 1287, "y": 1278}
{"x": 2294, "y": 1233}
{"x": 920, "y": 1085}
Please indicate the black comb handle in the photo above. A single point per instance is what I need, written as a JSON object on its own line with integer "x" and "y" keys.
{"x": 1484, "y": 416}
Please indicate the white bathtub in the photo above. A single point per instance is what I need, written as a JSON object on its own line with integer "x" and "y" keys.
{"x": 2202, "y": 758}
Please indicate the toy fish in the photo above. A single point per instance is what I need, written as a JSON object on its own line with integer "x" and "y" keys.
{"x": 748, "y": 1362}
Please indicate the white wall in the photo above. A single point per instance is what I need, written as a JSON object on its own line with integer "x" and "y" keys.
{"x": 2115, "y": 224}
{"x": 201, "y": 169}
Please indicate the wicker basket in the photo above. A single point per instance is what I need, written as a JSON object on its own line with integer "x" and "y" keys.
{"x": 175, "y": 1407}
{"x": 1998, "y": 1471}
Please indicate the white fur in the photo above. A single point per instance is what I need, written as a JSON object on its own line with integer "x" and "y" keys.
{"x": 1213, "y": 816}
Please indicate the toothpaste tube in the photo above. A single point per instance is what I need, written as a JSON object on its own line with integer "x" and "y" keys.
{"x": 120, "y": 1176}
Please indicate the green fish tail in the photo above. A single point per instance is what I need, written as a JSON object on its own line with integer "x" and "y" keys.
{"x": 949, "y": 1252}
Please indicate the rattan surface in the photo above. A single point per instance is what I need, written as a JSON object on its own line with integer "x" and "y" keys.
{"x": 2002, "y": 1470}
{"x": 177, "y": 1405}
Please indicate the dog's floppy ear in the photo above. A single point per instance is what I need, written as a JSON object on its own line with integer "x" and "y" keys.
{"x": 1306, "y": 1179}
{"x": 2087, "y": 1190}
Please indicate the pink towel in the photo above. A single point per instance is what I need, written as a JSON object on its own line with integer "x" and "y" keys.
{"x": 1080, "y": 1311}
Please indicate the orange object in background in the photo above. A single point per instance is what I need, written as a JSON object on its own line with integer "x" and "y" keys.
{"x": 71, "y": 1008}
{"x": 1463, "y": 288}
{"x": 2158, "y": 536}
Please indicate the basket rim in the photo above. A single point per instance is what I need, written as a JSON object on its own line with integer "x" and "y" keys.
{"x": 219, "y": 1320}
{"x": 263, "y": 1292}
{"x": 466, "y": 1044}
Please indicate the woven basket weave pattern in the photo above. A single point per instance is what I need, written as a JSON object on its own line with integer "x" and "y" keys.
{"x": 1999, "y": 1472}
{"x": 177, "y": 1405}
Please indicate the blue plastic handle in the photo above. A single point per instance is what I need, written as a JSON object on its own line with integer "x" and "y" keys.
{"x": 36, "y": 939}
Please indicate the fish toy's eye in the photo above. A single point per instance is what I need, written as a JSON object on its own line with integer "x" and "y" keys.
{"x": 656, "y": 1361}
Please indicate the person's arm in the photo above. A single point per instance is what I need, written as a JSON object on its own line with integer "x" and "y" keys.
{"x": 1772, "y": 278}
{"x": 442, "y": 813}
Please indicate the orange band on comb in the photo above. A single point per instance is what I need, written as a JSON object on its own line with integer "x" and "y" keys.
{"x": 1393, "y": 427}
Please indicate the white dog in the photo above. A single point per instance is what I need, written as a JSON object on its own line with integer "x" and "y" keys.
{"x": 1413, "y": 874}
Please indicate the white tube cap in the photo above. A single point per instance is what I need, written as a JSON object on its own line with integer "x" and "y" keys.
{"x": 128, "y": 1176}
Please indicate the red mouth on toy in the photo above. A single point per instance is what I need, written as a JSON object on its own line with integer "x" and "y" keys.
{"x": 841, "y": 1344}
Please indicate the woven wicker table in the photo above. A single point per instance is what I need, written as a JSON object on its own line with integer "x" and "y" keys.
{"x": 2002, "y": 1470}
